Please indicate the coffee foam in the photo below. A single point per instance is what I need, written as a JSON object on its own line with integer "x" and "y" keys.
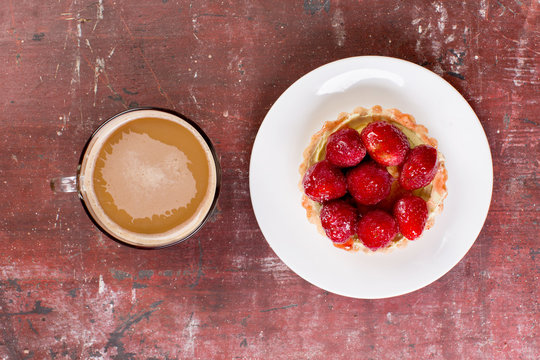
{"x": 144, "y": 170}
{"x": 166, "y": 169}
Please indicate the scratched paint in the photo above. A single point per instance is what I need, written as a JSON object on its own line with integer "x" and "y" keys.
{"x": 338, "y": 24}
{"x": 77, "y": 68}
{"x": 99, "y": 13}
{"x": 314, "y": 6}
{"x": 98, "y": 70}
{"x": 67, "y": 291}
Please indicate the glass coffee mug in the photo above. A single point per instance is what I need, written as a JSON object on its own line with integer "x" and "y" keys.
{"x": 148, "y": 177}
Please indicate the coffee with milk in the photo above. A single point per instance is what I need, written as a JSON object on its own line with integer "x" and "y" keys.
{"x": 149, "y": 178}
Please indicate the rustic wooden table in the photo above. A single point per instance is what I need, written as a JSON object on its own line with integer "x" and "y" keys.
{"x": 67, "y": 291}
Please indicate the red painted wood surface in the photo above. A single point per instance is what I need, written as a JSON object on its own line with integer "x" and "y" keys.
{"x": 69, "y": 292}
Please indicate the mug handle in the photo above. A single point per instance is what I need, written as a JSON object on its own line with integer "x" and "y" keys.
{"x": 64, "y": 184}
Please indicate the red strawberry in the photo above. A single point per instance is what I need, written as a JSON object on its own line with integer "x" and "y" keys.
{"x": 324, "y": 181}
{"x": 369, "y": 183}
{"x": 376, "y": 229}
{"x": 339, "y": 220}
{"x": 411, "y": 213}
{"x": 344, "y": 148}
{"x": 419, "y": 167}
{"x": 385, "y": 143}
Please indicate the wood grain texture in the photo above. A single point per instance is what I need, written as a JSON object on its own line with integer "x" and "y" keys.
{"x": 69, "y": 292}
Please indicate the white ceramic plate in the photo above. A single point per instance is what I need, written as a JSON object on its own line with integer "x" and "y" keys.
{"x": 341, "y": 86}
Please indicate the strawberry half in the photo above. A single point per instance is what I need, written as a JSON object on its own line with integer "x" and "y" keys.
{"x": 339, "y": 220}
{"x": 324, "y": 181}
{"x": 419, "y": 168}
{"x": 385, "y": 143}
{"x": 345, "y": 148}
{"x": 369, "y": 183}
{"x": 411, "y": 213}
{"x": 376, "y": 229}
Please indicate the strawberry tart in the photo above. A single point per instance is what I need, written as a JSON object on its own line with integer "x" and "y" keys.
{"x": 372, "y": 180}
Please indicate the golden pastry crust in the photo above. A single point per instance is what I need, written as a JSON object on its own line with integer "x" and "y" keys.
{"x": 434, "y": 194}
